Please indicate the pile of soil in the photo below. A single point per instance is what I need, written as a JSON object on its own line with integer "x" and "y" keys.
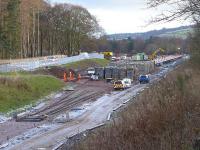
{"x": 55, "y": 71}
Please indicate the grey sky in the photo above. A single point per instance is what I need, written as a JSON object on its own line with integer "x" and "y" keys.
{"x": 120, "y": 16}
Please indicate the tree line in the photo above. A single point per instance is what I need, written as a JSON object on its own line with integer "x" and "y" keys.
{"x": 36, "y": 28}
{"x": 185, "y": 10}
{"x": 171, "y": 45}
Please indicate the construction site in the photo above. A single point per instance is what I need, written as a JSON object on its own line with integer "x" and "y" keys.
{"x": 99, "y": 75}
{"x": 86, "y": 101}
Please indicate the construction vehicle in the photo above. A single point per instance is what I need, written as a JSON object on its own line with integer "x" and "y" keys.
{"x": 107, "y": 55}
{"x": 144, "y": 79}
{"x": 118, "y": 85}
{"x": 122, "y": 84}
{"x": 154, "y": 54}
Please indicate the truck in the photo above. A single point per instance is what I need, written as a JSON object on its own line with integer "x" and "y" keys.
{"x": 144, "y": 79}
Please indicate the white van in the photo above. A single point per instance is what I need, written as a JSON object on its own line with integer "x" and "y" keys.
{"x": 90, "y": 71}
{"x": 126, "y": 82}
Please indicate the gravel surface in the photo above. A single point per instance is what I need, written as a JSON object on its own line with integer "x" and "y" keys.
{"x": 83, "y": 87}
{"x": 11, "y": 129}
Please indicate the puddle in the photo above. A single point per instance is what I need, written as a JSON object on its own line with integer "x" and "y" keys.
{"x": 76, "y": 112}
{"x": 4, "y": 145}
{"x": 62, "y": 118}
{"x": 58, "y": 95}
{"x": 72, "y": 114}
{"x": 3, "y": 119}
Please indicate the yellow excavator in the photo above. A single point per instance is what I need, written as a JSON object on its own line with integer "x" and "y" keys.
{"x": 154, "y": 54}
{"x": 107, "y": 55}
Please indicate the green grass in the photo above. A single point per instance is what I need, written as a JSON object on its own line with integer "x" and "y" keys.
{"x": 179, "y": 33}
{"x": 102, "y": 62}
{"x": 87, "y": 63}
{"x": 18, "y": 90}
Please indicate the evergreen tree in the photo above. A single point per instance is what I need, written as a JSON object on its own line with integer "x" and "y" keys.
{"x": 12, "y": 28}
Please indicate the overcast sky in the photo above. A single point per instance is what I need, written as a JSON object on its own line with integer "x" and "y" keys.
{"x": 122, "y": 16}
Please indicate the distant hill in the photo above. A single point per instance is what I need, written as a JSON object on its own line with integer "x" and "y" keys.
{"x": 179, "y": 32}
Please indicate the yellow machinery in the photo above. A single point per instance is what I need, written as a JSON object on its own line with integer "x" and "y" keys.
{"x": 107, "y": 55}
{"x": 118, "y": 85}
{"x": 154, "y": 54}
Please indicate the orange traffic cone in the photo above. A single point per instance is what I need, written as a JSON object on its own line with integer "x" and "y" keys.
{"x": 65, "y": 76}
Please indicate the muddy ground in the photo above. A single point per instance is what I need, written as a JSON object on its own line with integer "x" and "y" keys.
{"x": 84, "y": 91}
{"x": 56, "y": 71}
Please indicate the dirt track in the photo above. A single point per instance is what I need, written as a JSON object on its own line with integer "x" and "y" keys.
{"x": 84, "y": 91}
{"x": 95, "y": 116}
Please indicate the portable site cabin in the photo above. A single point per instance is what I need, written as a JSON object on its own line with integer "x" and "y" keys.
{"x": 140, "y": 57}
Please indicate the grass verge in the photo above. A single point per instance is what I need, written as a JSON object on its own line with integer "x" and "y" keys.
{"x": 18, "y": 90}
{"x": 164, "y": 117}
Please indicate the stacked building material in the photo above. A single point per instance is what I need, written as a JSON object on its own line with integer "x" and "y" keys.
{"x": 108, "y": 72}
{"x": 122, "y": 73}
{"x": 100, "y": 72}
{"x": 130, "y": 73}
{"x": 125, "y": 69}
{"x": 115, "y": 73}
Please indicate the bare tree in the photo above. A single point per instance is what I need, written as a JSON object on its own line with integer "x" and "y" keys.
{"x": 185, "y": 9}
{"x": 45, "y": 29}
